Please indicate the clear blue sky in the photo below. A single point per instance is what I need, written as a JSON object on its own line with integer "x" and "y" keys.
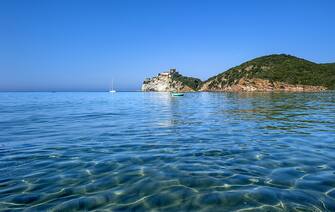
{"x": 83, "y": 45}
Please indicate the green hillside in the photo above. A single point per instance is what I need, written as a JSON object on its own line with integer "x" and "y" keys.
{"x": 191, "y": 82}
{"x": 283, "y": 68}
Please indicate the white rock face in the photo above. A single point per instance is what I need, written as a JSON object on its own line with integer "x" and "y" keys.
{"x": 159, "y": 83}
{"x": 164, "y": 83}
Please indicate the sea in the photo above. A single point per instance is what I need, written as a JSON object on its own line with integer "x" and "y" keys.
{"x": 134, "y": 151}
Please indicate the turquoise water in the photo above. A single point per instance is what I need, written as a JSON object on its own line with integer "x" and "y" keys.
{"x": 140, "y": 151}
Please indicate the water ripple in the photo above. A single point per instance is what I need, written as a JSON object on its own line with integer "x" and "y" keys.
{"x": 151, "y": 151}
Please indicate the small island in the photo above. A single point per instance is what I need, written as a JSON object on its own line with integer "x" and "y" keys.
{"x": 277, "y": 72}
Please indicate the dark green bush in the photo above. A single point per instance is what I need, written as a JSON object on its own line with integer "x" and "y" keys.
{"x": 191, "y": 82}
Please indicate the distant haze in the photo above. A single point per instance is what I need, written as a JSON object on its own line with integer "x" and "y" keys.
{"x": 80, "y": 45}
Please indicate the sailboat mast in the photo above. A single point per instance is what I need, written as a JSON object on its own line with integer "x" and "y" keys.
{"x": 112, "y": 90}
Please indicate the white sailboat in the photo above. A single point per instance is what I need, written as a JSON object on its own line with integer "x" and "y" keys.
{"x": 112, "y": 90}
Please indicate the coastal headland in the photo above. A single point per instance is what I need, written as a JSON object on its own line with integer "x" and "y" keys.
{"x": 277, "y": 72}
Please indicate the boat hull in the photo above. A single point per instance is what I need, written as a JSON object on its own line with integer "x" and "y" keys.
{"x": 177, "y": 94}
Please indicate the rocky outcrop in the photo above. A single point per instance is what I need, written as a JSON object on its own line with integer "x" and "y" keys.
{"x": 255, "y": 84}
{"x": 170, "y": 81}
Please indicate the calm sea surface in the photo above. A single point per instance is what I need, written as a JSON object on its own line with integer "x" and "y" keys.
{"x": 140, "y": 151}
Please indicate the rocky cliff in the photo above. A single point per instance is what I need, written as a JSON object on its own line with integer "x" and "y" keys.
{"x": 255, "y": 84}
{"x": 171, "y": 81}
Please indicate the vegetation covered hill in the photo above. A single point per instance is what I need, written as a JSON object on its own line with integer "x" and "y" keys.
{"x": 191, "y": 82}
{"x": 277, "y": 68}
{"x": 277, "y": 72}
